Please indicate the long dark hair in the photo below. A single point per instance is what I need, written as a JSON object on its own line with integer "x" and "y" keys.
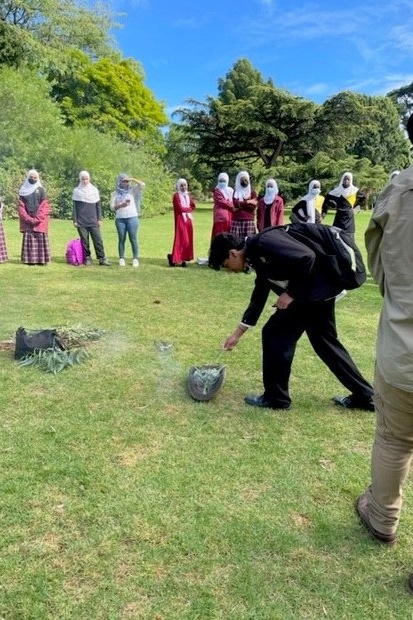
{"x": 220, "y": 248}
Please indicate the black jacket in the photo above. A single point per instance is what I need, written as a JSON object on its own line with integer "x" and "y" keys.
{"x": 283, "y": 263}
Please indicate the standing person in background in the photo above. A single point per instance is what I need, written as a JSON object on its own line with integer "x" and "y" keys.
{"x": 87, "y": 217}
{"x": 390, "y": 259}
{"x": 245, "y": 204}
{"x": 308, "y": 209}
{"x": 183, "y": 247}
{"x": 223, "y": 205}
{"x": 34, "y": 212}
{"x": 270, "y": 210}
{"x": 3, "y": 246}
{"x": 125, "y": 202}
{"x": 346, "y": 197}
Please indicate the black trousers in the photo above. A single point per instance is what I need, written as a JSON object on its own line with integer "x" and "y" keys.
{"x": 279, "y": 340}
{"x": 94, "y": 232}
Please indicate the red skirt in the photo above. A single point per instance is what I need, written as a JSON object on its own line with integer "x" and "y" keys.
{"x": 3, "y": 247}
{"x": 243, "y": 228}
{"x": 35, "y": 248}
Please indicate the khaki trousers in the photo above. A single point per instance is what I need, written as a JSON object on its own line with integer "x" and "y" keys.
{"x": 391, "y": 454}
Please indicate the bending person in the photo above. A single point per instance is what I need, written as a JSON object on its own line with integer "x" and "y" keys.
{"x": 306, "y": 303}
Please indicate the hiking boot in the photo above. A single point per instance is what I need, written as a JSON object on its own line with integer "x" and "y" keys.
{"x": 362, "y": 509}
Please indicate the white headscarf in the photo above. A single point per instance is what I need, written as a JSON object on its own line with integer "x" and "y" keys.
{"x": 270, "y": 192}
{"x": 345, "y": 191}
{"x": 227, "y": 192}
{"x": 310, "y": 199}
{"x": 242, "y": 193}
{"x": 85, "y": 191}
{"x": 27, "y": 188}
{"x": 183, "y": 194}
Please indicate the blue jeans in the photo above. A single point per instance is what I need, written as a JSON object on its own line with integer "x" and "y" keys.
{"x": 127, "y": 225}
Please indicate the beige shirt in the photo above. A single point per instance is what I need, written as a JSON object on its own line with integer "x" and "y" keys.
{"x": 389, "y": 243}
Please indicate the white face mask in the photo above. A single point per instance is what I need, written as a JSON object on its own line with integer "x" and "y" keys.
{"x": 315, "y": 191}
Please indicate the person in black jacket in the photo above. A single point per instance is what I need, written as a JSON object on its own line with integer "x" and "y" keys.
{"x": 306, "y": 303}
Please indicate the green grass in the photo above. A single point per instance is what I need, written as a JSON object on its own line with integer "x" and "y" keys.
{"x": 123, "y": 498}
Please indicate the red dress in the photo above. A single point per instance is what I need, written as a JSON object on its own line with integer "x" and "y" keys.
{"x": 183, "y": 248}
{"x": 223, "y": 209}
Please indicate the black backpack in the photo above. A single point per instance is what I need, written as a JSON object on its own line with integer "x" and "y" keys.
{"x": 29, "y": 341}
{"x": 336, "y": 249}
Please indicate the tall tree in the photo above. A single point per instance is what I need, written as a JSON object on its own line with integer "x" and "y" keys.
{"x": 368, "y": 127}
{"x": 403, "y": 98}
{"x": 250, "y": 121}
{"x": 110, "y": 94}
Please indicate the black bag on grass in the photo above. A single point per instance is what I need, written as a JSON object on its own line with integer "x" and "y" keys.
{"x": 29, "y": 341}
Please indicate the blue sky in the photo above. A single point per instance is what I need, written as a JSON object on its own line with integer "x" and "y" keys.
{"x": 312, "y": 49}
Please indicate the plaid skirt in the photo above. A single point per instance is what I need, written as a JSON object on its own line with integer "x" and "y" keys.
{"x": 243, "y": 228}
{"x": 35, "y": 248}
{"x": 3, "y": 247}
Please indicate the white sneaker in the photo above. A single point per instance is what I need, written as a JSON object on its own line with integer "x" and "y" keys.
{"x": 135, "y": 262}
{"x": 122, "y": 262}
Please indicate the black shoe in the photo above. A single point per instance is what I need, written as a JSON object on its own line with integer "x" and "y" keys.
{"x": 362, "y": 509}
{"x": 256, "y": 400}
{"x": 409, "y": 584}
{"x": 354, "y": 402}
{"x": 183, "y": 264}
{"x": 169, "y": 257}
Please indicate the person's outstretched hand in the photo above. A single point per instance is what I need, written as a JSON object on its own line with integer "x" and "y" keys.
{"x": 233, "y": 339}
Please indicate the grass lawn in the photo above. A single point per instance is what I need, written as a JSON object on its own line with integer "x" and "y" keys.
{"x": 121, "y": 497}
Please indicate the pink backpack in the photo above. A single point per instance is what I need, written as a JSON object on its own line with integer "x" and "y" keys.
{"x": 74, "y": 252}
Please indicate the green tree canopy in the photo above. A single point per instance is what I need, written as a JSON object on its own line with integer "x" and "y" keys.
{"x": 110, "y": 95}
{"x": 361, "y": 125}
{"x": 249, "y": 121}
{"x": 41, "y": 33}
{"x": 403, "y": 98}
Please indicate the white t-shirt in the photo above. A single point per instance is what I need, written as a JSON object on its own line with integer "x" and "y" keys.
{"x": 133, "y": 208}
